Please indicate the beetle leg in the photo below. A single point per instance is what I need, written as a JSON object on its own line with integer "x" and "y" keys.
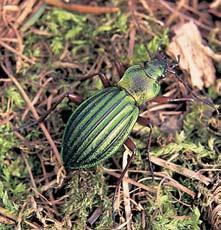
{"x": 189, "y": 88}
{"x": 105, "y": 81}
{"x": 132, "y": 147}
{"x": 163, "y": 99}
{"x": 146, "y": 122}
{"x": 73, "y": 97}
{"x": 120, "y": 68}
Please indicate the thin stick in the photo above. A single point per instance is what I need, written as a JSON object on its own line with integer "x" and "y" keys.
{"x": 37, "y": 96}
{"x": 51, "y": 197}
{"x": 83, "y": 8}
{"x": 30, "y": 173}
{"x": 6, "y": 46}
{"x": 131, "y": 181}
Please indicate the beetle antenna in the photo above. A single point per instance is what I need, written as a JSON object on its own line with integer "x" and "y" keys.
{"x": 186, "y": 84}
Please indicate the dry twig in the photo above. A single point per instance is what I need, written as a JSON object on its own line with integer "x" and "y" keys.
{"x": 83, "y": 8}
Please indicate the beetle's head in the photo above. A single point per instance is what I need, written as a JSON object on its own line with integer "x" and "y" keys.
{"x": 142, "y": 81}
{"x": 155, "y": 69}
{"x": 158, "y": 67}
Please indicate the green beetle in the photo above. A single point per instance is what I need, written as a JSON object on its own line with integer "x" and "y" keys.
{"x": 102, "y": 123}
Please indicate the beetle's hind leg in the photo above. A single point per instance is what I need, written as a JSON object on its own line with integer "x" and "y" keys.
{"x": 132, "y": 147}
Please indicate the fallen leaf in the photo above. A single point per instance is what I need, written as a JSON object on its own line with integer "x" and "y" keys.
{"x": 215, "y": 4}
{"x": 195, "y": 58}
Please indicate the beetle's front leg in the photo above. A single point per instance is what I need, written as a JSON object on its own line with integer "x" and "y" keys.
{"x": 119, "y": 67}
{"x": 163, "y": 99}
{"x": 146, "y": 122}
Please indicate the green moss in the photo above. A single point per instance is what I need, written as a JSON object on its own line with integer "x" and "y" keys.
{"x": 87, "y": 191}
{"x": 142, "y": 50}
{"x": 164, "y": 215}
{"x": 12, "y": 173}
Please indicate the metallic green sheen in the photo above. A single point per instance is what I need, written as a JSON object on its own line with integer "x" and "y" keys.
{"x": 141, "y": 82}
{"x": 98, "y": 128}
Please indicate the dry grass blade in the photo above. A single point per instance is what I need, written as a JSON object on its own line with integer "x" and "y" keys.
{"x": 130, "y": 181}
{"x": 181, "y": 170}
{"x": 4, "y": 212}
{"x": 169, "y": 181}
{"x": 126, "y": 193}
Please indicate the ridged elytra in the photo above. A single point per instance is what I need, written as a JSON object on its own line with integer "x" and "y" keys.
{"x": 102, "y": 123}
{"x": 98, "y": 128}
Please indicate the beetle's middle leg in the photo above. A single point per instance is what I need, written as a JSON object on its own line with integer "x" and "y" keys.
{"x": 105, "y": 81}
{"x": 72, "y": 97}
{"x": 146, "y": 122}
